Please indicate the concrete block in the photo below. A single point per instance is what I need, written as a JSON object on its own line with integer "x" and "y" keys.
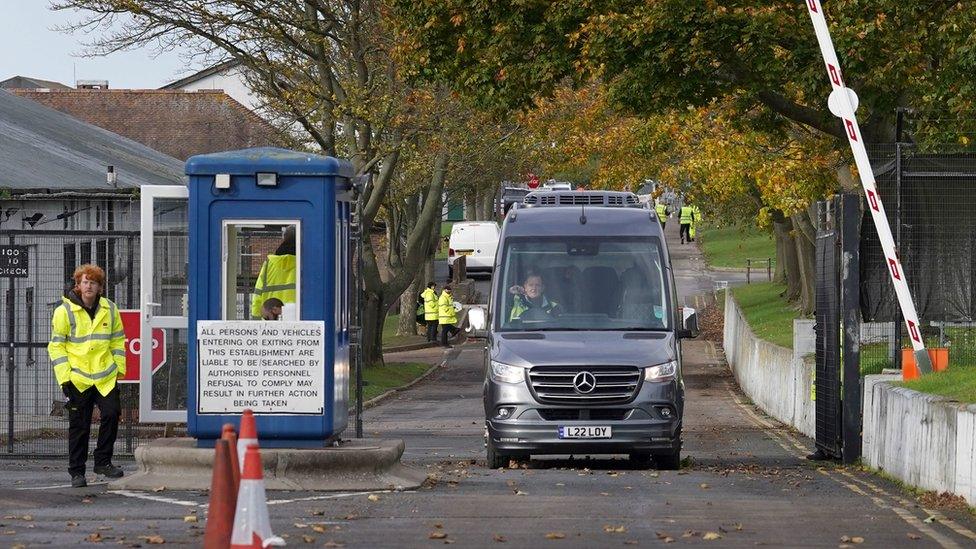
{"x": 354, "y": 465}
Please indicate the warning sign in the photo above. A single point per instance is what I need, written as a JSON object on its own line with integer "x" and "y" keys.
{"x": 268, "y": 367}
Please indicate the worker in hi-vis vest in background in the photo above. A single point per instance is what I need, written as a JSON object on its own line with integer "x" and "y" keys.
{"x": 662, "y": 212}
{"x": 686, "y": 217}
{"x": 429, "y": 295}
{"x": 277, "y": 276}
{"x": 87, "y": 351}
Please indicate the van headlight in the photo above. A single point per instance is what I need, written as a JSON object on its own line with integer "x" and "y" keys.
{"x": 503, "y": 373}
{"x": 661, "y": 372}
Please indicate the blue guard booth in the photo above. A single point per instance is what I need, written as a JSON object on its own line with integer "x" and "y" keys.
{"x": 269, "y": 295}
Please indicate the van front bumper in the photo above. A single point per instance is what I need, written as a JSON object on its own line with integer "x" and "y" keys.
{"x": 531, "y": 428}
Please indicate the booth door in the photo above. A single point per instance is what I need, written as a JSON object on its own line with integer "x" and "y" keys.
{"x": 163, "y": 303}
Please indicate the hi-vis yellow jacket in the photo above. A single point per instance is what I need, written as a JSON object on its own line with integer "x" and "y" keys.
{"x": 430, "y": 304}
{"x": 277, "y": 279}
{"x": 445, "y": 309}
{"x": 84, "y": 351}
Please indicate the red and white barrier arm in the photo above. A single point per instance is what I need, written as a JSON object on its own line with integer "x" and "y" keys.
{"x": 842, "y": 103}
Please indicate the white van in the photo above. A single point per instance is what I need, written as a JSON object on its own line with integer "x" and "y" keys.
{"x": 477, "y": 241}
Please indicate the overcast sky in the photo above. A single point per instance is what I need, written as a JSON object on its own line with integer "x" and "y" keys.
{"x": 30, "y": 47}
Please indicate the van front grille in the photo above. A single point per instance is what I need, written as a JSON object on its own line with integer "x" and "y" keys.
{"x": 583, "y": 414}
{"x": 557, "y": 384}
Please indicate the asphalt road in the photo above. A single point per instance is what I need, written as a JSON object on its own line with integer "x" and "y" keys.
{"x": 745, "y": 483}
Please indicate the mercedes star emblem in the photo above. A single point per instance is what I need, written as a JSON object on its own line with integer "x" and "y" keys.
{"x": 584, "y": 382}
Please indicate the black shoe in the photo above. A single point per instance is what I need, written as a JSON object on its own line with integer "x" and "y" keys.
{"x": 78, "y": 481}
{"x": 110, "y": 471}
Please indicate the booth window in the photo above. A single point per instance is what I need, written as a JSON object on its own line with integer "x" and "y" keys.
{"x": 261, "y": 270}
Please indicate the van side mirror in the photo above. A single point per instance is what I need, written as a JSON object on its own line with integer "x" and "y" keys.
{"x": 477, "y": 322}
{"x": 689, "y": 322}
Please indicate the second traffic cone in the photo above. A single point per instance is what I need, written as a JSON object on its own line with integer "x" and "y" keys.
{"x": 248, "y": 434}
{"x": 252, "y": 525}
{"x": 230, "y": 436}
{"x": 223, "y": 499}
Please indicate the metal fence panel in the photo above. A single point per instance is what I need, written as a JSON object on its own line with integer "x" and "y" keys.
{"x": 827, "y": 383}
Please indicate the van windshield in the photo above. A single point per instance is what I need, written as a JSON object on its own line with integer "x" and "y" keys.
{"x": 608, "y": 283}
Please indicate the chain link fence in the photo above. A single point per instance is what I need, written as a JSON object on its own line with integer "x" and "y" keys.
{"x": 929, "y": 196}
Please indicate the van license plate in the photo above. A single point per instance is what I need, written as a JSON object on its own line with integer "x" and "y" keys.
{"x": 584, "y": 431}
{"x": 465, "y": 252}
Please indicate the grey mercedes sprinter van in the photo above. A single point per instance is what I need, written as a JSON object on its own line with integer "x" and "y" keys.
{"x": 583, "y": 332}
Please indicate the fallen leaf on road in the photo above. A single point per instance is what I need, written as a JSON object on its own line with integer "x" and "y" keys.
{"x": 159, "y": 489}
{"x": 555, "y": 535}
{"x": 9, "y": 532}
{"x": 331, "y": 543}
{"x": 18, "y": 546}
{"x": 630, "y": 542}
{"x": 499, "y": 538}
{"x": 614, "y": 529}
{"x": 437, "y": 535}
{"x": 318, "y": 513}
{"x": 320, "y": 528}
{"x": 301, "y": 525}
{"x": 704, "y": 486}
{"x": 521, "y": 493}
{"x": 711, "y": 536}
{"x": 308, "y": 539}
{"x": 689, "y": 534}
{"x": 94, "y": 538}
{"x": 86, "y": 500}
{"x": 845, "y": 539}
{"x": 352, "y": 517}
{"x": 103, "y": 528}
{"x": 604, "y": 494}
{"x": 613, "y": 473}
{"x": 27, "y": 518}
{"x": 153, "y": 540}
{"x": 738, "y": 526}
{"x": 857, "y": 540}
{"x": 914, "y": 536}
{"x": 438, "y": 525}
{"x": 373, "y": 497}
{"x": 929, "y": 520}
{"x": 71, "y": 523}
{"x": 190, "y": 518}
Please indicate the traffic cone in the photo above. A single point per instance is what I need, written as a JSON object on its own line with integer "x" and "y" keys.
{"x": 230, "y": 436}
{"x": 252, "y": 525}
{"x": 248, "y": 435}
{"x": 223, "y": 499}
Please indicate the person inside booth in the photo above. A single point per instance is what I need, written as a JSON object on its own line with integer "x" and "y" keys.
{"x": 276, "y": 279}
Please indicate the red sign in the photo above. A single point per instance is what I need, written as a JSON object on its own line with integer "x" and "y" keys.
{"x": 133, "y": 347}
{"x": 533, "y": 181}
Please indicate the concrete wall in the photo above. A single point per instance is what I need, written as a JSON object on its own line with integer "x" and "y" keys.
{"x": 775, "y": 378}
{"x": 924, "y": 440}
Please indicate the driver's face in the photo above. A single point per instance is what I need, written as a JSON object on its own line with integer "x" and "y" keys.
{"x": 533, "y": 287}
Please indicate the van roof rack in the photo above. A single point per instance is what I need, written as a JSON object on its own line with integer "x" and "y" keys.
{"x": 613, "y": 199}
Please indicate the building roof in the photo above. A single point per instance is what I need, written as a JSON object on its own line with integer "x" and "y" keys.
{"x": 26, "y": 82}
{"x": 175, "y": 122}
{"x": 209, "y": 71}
{"x": 44, "y": 150}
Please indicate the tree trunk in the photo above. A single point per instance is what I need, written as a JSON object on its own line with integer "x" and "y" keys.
{"x": 471, "y": 206}
{"x": 373, "y": 317}
{"x": 805, "y": 236}
{"x": 407, "y": 324}
{"x": 787, "y": 266}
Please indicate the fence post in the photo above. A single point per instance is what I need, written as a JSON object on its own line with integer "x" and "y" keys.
{"x": 769, "y": 269}
{"x": 748, "y": 271}
{"x": 11, "y": 333}
{"x": 851, "y": 301}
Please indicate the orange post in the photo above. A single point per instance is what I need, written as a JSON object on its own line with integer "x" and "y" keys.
{"x": 938, "y": 355}
{"x": 230, "y": 436}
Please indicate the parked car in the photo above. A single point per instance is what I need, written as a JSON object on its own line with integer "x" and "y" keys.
{"x": 476, "y": 241}
{"x": 583, "y": 331}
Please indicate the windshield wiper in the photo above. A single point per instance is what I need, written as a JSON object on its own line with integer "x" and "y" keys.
{"x": 638, "y": 329}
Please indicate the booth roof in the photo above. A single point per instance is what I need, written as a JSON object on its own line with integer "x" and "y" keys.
{"x": 267, "y": 159}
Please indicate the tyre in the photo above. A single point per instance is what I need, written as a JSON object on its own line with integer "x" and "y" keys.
{"x": 670, "y": 461}
{"x": 495, "y": 459}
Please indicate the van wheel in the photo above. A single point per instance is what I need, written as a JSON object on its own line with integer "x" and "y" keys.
{"x": 670, "y": 461}
{"x": 495, "y": 459}
{"x": 640, "y": 460}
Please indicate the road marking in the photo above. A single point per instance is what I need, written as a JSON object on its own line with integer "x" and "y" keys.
{"x": 54, "y": 486}
{"x": 333, "y": 496}
{"x": 158, "y": 499}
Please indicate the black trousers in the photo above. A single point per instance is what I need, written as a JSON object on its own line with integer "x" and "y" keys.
{"x": 80, "y": 408}
{"x": 448, "y": 331}
{"x": 431, "y": 330}
{"x": 686, "y": 232}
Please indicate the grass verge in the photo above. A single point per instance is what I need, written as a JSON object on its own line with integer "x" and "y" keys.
{"x": 380, "y": 379}
{"x": 390, "y": 339}
{"x": 731, "y": 246}
{"x": 768, "y": 314}
{"x": 957, "y": 383}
